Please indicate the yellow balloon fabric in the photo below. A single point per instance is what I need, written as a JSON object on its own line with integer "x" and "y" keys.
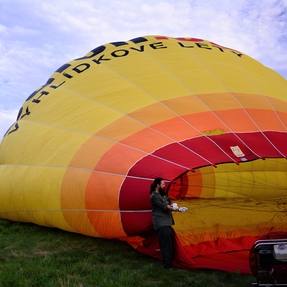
{"x": 208, "y": 119}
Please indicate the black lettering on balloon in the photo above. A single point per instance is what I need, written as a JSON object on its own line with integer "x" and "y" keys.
{"x": 56, "y": 86}
{"x": 237, "y": 53}
{"x": 138, "y": 40}
{"x": 93, "y": 53}
{"x": 81, "y": 68}
{"x": 37, "y": 100}
{"x": 27, "y": 113}
{"x": 118, "y": 44}
{"x": 100, "y": 59}
{"x": 120, "y": 53}
{"x": 185, "y": 46}
{"x": 68, "y": 76}
{"x": 21, "y": 115}
{"x": 203, "y": 45}
{"x": 220, "y": 49}
{"x": 63, "y": 68}
{"x": 12, "y": 129}
{"x": 50, "y": 80}
{"x": 16, "y": 127}
{"x": 32, "y": 95}
{"x": 139, "y": 49}
{"x": 157, "y": 45}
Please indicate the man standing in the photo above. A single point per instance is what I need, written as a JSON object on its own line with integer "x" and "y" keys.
{"x": 163, "y": 220}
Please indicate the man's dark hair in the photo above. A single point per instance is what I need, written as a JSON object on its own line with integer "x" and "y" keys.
{"x": 155, "y": 183}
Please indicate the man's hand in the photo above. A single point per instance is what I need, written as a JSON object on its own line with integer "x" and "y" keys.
{"x": 174, "y": 206}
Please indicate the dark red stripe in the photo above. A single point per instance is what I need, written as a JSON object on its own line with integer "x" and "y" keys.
{"x": 136, "y": 194}
{"x": 152, "y": 167}
{"x": 181, "y": 155}
{"x": 279, "y": 140}
{"x": 260, "y": 145}
{"x": 225, "y": 142}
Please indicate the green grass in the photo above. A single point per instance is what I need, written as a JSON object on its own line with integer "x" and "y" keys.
{"x": 31, "y": 255}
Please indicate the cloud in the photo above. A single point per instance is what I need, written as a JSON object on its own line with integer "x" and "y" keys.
{"x": 257, "y": 27}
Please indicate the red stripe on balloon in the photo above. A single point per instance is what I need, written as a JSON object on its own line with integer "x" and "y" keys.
{"x": 181, "y": 155}
{"x": 152, "y": 167}
{"x": 261, "y": 145}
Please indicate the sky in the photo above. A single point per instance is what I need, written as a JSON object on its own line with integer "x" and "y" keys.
{"x": 39, "y": 36}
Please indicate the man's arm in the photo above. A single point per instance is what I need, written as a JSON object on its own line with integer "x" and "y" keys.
{"x": 157, "y": 201}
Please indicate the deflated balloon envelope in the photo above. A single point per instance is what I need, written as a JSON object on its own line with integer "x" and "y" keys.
{"x": 209, "y": 119}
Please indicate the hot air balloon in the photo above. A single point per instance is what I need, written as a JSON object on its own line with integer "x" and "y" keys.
{"x": 208, "y": 119}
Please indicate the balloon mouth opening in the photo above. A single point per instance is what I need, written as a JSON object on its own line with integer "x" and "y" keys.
{"x": 258, "y": 180}
{"x": 232, "y": 201}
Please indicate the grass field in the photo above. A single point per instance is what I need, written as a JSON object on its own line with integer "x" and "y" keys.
{"x": 31, "y": 255}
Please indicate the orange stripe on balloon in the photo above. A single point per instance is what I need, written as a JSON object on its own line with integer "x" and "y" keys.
{"x": 91, "y": 152}
{"x": 283, "y": 118}
{"x": 73, "y": 201}
{"x": 153, "y": 114}
{"x": 187, "y": 186}
{"x": 121, "y": 128}
{"x": 266, "y": 120}
{"x": 205, "y": 121}
{"x": 119, "y": 159}
{"x": 237, "y": 120}
{"x": 147, "y": 140}
{"x": 103, "y": 207}
{"x": 177, "y": 129}
{"x": 188, "y": 104}
{"x": 227, "y": 101}
{"x": 194, "y": 183}
{"x": 277, "y": 105}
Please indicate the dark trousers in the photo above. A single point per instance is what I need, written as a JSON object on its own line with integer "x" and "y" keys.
{"x": 166, "y": 243}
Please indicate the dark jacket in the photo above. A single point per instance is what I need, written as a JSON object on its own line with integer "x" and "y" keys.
{"x": 161, "y": 215}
